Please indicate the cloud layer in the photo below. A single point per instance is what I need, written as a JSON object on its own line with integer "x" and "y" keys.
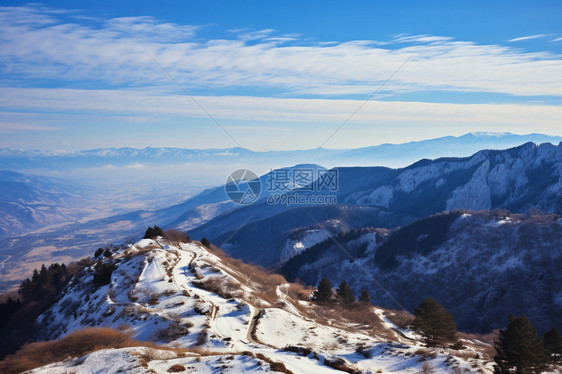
{"x": 65, "y": 64}
{"x": 39, "y": 44}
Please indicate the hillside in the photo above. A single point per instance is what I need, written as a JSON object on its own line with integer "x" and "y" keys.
{"x": 222, "y": 315}
{"x": 480, "y": 265}
{"x": 521, "y": 179}
{"x": 29, "y": 202}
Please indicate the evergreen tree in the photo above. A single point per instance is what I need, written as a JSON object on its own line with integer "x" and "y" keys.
{"x": 345, "y": 294}
{"x": 153, "y": 232}
{"x": 519, "y": 348}
{"x": 553, "y": 343}
{"x": 206, "y": 242}
{"x": 98, "y": 253}
{"x": 323, "y": 295}
{"x": 434, "y": 323}
{"x": 365, "y": 297}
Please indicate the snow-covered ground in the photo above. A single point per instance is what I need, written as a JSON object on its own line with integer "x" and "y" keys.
{"x": 187, "y": 297}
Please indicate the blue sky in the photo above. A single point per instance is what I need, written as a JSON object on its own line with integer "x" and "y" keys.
{"x": 275, "y": 74}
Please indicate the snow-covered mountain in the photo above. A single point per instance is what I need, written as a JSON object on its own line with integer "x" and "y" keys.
{"x": 391, "y": 155}
{"x": 482, "y": 266}
{"x": 221, "y": 315}
{"x": 520, "y": 179}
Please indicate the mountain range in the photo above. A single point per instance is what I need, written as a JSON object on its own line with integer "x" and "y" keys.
{"x": 391, "y": 155}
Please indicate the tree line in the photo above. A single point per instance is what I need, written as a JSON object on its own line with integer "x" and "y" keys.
{"x": 519, "y": 348}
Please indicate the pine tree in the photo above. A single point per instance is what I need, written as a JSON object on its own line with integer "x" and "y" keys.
{"x": 519, "y": 348}
{"x": 365, "y": 297}
{"x": 434, "y": 323}
{"x": 206, "y": 242}
{"x": 323, "y": 295}
{"x": 153, "y": 232}
{"x": 345, "y": 294}
{"x": 553, "y": 343}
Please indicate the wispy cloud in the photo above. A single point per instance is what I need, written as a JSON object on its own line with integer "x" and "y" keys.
{"x": 421, "y": 39}
{"x": 99, "y": 71}
{"x": 143, "y": 104}
{"x": 39, "y": 45}
{"x": 528, "y": 37}
{"x": 557, "y": 40}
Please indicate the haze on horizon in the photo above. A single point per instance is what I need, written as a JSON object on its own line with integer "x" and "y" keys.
{"x": 276, "y": 76}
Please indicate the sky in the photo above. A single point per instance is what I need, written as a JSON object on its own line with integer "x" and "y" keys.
{"x": 275, "y": 75}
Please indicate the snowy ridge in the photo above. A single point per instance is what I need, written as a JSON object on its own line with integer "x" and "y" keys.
{"x": 189, "y": 297}
{"x": 466, "y": 266}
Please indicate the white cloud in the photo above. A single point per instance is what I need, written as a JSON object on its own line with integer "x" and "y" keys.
{"x": 556, "y": 40}
{"x": 421, "y": 39}
{"x": 38, "y": 45}
{"x": 529, "y": 37}
{"x": 138, "y": 105}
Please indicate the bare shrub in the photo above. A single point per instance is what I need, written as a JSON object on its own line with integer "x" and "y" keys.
{"x": 222, "y": 286}
{"x": 274, "y": 366}
{"x": 176, "y": 368}
{"x": 203, "y": 337}
{"x": 339, "y": 363}
{"x": 427, "y": 368}
{"x": 153, "y": 299}
{"x": 177, "y": 237}
{"x": 174, "y": 331}
{"x": 425, "y": 354}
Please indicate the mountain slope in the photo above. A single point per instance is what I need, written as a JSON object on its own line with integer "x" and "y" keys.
{"x": 28, "y": 202}
{"x": 520, "y": 179}
{"x": 482, "y": 266}
{"x": 231, "y": 315}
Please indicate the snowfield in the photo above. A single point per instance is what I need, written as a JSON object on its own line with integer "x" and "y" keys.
{"x": 186, "y": 297}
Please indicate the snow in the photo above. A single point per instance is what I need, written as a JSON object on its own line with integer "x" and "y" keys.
{"x": 154, "y": 292}
{"x": 310, "y": 238}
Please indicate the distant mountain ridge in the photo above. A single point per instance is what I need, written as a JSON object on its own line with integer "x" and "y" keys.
{"x": 392, "y": 155}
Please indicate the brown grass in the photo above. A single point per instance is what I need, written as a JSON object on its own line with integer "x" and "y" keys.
{"x": 363, "y": 316}
{"x": 176, "y": 368}
{"x": 224, "y": 287}
{"x": 76, "y": 344}
{"x": 401, "y": 318}
{"x": 249, "y": 274}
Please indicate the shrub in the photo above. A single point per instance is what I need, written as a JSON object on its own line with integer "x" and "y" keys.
{"x": 102, "y": 272}
{"x": 174, "y": 331}
{"x": 177, "y": 237}
{"x": 176, "y": 368}
{"x": 76, "y": 344}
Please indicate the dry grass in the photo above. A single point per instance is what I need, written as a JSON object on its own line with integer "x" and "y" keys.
{"x": 174, "y": 331}
{"x": 365, "y": 318}
{"x": 222, "y": 286}
{"x": 485, "y": 349}
{"x": 425, "y": 354}
{"x": 401, "y": 318}
{"x": 177, "y": 368}
{"x": 252, "y": 275}
{"x": 76, "y": 344}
